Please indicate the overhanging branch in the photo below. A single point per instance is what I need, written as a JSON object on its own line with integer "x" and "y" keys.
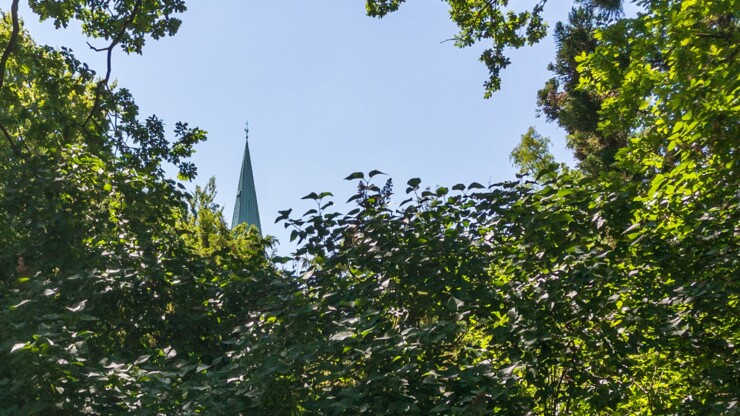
{"x": 109, "y": 56}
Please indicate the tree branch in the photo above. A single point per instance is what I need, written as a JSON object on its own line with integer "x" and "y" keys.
{"x": 11, "y": 43}
{"x": 109, "y": 51}
{"x": 4, "y": 61}
{"x": 10, "y": 140}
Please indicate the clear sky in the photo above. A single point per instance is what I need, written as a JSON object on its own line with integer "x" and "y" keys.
{"x": 329, "y": 91}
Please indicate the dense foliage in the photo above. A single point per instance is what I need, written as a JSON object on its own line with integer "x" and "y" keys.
{"x": 611, "y": 289}
{"x": 576, "y": 109}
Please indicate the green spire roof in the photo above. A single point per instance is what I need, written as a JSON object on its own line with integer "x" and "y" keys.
{"x": 245, "y": 208}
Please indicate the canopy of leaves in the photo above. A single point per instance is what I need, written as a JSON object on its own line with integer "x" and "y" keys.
{"x": 516, "y": 299}
{"x": 114, "y": 296}
{"x": 579, "y": 294}
{"x": 485, "y": 20}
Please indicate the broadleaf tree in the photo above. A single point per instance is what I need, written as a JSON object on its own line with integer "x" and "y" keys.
{"x": 613, "y": 292}
{"x": 109, "y": 304}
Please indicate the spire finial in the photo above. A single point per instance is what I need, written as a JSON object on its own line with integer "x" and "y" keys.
{"x": 246, "y": 131}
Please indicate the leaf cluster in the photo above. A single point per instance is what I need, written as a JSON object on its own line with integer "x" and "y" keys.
{"x": 488, "y": 21}
{"x": 612, "y": 293}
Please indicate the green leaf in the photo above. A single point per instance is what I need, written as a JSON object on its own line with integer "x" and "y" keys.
{"x": 356, "y": 175}
{"x": 78, "y": 306}
{"x": 15, "y": 347}
{"x": 341, "y": 336}
{"x": 283, "y": 215}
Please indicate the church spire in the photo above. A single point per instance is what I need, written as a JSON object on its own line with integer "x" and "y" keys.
{"x": 245, "y": 208}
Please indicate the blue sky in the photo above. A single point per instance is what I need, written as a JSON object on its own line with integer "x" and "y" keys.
{"x": 329, "y": 91}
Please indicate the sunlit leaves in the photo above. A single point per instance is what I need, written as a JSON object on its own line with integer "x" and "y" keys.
{"x": 609, "y": 294}
{"x": 127, "y": 23}
{"x": 485, "y": 21}
{"x": 548, "y": 299}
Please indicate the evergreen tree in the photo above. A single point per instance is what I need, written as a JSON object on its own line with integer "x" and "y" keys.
{"x": 574, "y": 109}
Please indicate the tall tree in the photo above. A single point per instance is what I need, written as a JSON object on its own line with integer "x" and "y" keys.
{"x": 106, "y": 305}
{"x": 532, "y": 155}
{"x": 573, "y": 108}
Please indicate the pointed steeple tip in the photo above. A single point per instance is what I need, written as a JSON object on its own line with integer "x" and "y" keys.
{"x": 245, "y": 208}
